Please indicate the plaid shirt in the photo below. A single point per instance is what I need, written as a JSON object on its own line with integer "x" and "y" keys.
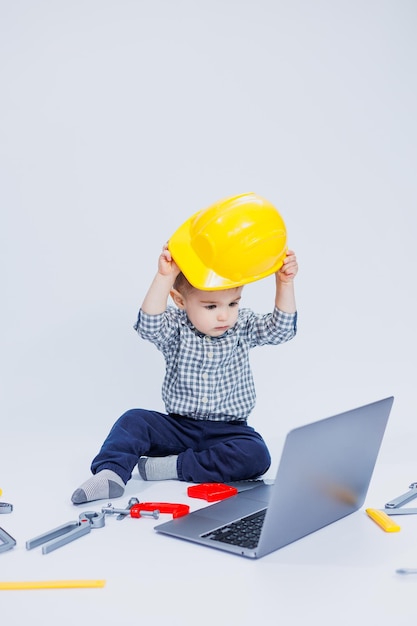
{"x": 209, "y": 378}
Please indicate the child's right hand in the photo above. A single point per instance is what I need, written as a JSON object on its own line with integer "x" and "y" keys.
{"x": 166, "y": 264}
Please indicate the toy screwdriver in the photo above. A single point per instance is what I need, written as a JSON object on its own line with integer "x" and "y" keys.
{"x": 153, "y": 508}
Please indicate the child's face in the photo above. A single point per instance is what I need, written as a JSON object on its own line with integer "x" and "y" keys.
{"x": 211, "y": 312}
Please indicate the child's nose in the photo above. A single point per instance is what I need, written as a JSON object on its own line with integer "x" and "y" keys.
{"x": 222, "y": 314}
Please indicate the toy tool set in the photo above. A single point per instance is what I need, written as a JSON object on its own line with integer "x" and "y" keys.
{"x": 394, "y": 507}
{"x": 90, "y": 520}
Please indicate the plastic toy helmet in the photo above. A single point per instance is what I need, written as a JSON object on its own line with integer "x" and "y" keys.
{"x": 235, "y": 241}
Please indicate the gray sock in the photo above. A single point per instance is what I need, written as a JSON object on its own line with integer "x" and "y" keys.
{"x": 158, "y": 468}
{"x": 102, "y": 486}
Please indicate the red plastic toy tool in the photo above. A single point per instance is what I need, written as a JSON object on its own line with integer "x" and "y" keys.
{"x": 177, "y": 510}
{"x": 211, "y": 491}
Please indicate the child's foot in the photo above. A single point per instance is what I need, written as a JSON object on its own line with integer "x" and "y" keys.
{"x": 102, "y": 486}
{"x": 158, "y": 468}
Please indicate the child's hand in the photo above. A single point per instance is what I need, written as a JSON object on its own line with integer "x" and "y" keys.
{"x": 166, "y": 264}
{"x": 289, "y": 270}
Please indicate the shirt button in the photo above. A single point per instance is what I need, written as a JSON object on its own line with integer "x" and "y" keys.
{"x": 210, "y": 355}
{"x": 204, "y": 400}
{"x": 207, "y": 338}
{"x": 205, "y": 376}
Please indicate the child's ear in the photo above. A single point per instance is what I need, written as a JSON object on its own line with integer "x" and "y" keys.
{"x": 177, "y": 298}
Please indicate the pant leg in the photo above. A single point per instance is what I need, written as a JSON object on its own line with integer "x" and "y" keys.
{"x": 207, "y": 451}
{"x": 228, "y": 451}
{"x": 139, "y": 432}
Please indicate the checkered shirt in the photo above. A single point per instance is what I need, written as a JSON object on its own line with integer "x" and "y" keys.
{"x": 209, "y": 378}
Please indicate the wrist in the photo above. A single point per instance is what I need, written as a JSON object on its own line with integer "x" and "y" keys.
{"x": 284, "y": 282}
{"x": 166, "y": 279}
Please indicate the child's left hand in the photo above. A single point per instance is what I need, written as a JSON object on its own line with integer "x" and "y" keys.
{"x": 289, "y": 269}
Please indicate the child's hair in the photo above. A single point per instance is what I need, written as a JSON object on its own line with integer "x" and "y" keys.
{"x": 182, "y": 285}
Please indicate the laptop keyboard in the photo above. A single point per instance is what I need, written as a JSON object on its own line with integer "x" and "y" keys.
{"x": 244, "y": 532}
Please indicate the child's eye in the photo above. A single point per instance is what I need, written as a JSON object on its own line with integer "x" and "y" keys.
{"x": 232, "y": 304}
{"x": 210, "y": 307}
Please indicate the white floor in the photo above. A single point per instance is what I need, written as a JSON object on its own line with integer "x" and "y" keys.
{"x": 344, "y": 572}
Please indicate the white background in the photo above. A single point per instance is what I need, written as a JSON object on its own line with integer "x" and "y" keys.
{"x": 118, "y": 120}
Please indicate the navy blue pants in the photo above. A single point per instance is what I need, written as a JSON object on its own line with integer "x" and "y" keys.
{"x": 207, "y": 451}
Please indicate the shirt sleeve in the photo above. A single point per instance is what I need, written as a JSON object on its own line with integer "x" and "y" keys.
{"x": 271, "y": 328}
{"x": 160, "y": 329}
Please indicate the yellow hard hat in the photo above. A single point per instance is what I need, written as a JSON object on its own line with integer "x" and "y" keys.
{"x": 235, "y": 241}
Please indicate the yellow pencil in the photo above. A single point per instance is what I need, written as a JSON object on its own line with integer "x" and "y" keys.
{"x": 52, "y": 584}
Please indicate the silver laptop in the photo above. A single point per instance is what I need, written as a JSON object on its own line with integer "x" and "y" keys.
{"x": 323, "y": 475}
